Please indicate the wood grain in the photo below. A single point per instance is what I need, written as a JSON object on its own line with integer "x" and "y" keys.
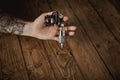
{"x": 62, "y": 62}
{"x": 109, "y": 15}
{"x": 36, "y": 60}
{"x": 116, "y": 4}
{"x": 0, "y": 64}
{"x": 12, "y": 63}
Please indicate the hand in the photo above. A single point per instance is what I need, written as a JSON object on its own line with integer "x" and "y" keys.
{"x": 40, "y": 31}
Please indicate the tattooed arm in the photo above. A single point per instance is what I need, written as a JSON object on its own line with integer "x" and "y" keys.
{"x": 35, "y": 29}
{"x": 13, "y": 25}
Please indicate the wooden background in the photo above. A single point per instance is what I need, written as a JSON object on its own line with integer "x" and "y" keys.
{"x": 92, "y": 54}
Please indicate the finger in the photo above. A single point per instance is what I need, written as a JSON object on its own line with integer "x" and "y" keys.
{"x": 71, "y": 33}
{"x": 65, "y": 18}
{"x": 71, "y": 28}
{"x": 56, "y": 39}
{"x": 48, "y": 13}
{"x": 42, "y": 16}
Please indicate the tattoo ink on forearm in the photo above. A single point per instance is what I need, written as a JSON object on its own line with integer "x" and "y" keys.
{"x": 11, "y": 25}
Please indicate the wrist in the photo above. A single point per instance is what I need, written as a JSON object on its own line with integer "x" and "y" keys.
{"x": 27, "y": 29}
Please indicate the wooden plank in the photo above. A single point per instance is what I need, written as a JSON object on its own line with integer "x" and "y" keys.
{"x": 0, "y": 64}
{"x": 62, "y": 62}
{"x": 85, "y": 54}
{"x": 116, "y": 3}
{"x": 12, "y": 63}
{"x": 111, "y": 18}
{"x": 0, "y": 71}
{"x": 103, "y": 40}
{"x": 36, "y": 60}
{"x": 109, "y": 15}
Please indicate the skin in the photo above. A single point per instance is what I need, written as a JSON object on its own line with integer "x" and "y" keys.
{"x": 35, "y": 29}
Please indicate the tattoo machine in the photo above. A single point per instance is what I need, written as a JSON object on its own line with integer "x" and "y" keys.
{"x": 57, "y": 19}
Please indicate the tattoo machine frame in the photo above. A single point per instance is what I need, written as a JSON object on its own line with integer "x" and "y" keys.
{"x": 57, "y": 19}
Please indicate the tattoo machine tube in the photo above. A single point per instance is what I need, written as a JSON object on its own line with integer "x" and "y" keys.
{"x": 61, "y": 35}
{"x": 57, "y": 19}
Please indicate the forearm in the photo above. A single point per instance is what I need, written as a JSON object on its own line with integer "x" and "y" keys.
{"x": 13, "y": 25}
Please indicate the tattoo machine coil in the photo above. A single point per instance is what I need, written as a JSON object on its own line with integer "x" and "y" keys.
{"x": 56, "y": 19}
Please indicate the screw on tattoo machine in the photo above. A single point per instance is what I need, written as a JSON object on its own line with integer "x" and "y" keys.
{"x": 57, "y": 19}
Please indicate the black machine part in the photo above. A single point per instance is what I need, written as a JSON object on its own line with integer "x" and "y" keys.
{"x": 55, "y": 19}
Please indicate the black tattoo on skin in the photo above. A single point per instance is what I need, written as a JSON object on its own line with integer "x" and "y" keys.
{"x": 11, "y": 25}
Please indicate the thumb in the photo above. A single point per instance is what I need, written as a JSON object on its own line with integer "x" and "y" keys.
{"x": 56, "y": 39}
{"x": 48, "y": 13}
{"x": 42, "y": 16}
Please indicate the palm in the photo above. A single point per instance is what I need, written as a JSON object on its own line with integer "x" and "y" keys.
{"x": 43, "y": 32}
